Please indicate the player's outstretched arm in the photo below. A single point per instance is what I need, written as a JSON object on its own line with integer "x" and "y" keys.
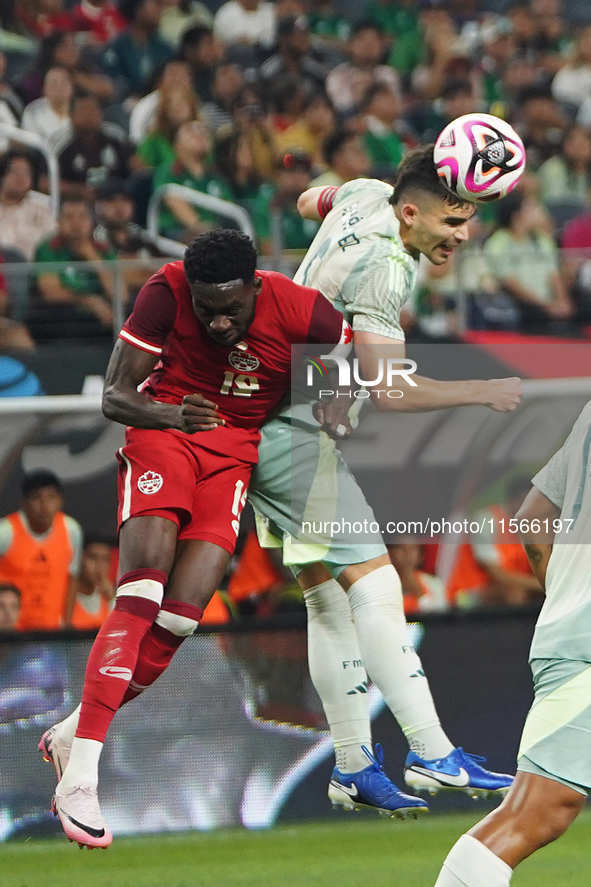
{"x": 502, "y": 395}
{"x": 308, "y": 203}
{"x": 537, "y": 513}
{"x": 122, "y": 402}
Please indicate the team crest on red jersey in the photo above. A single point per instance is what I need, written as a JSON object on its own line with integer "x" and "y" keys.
{"x": 243, "y": 361}
{"x": 346, "y": 334}
{"x": 150, "y": 482}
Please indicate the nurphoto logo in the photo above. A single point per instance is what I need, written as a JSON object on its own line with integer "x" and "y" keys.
{"x": 388, "y": 370}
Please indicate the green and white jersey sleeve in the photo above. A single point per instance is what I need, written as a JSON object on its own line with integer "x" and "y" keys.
{"x": 358, "y": 261}
{"x": 563, "y": 630}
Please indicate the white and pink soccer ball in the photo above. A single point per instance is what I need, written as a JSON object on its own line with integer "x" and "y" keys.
{"x": 479, "y": 157}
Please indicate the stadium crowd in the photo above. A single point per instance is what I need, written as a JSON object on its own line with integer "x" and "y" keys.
{"x": 253, "y": 102}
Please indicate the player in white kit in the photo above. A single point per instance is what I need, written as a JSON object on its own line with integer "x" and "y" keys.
{"x": 365, "y": 260}
{"x": 554, "y": 762}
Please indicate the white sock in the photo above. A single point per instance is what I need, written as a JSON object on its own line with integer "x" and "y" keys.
{"x": 338, "y": 674}
{"x": 470, "y": 864}
{"x": 67, "y": 728}
{"x": 391, "y": 661}
{"x": 83, "y": 764}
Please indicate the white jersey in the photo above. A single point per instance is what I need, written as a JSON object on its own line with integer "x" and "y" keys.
{"x": 358, "y": 260}
{"x": 563, "y": 630}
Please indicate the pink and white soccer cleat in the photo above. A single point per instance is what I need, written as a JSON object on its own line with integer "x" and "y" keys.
{"x": 54, "y": 750}
{"x": 80, "y": 815}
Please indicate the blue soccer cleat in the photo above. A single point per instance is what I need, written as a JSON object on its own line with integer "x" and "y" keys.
{"x": 370, "y": 788}
{"x": 459, "y": 771}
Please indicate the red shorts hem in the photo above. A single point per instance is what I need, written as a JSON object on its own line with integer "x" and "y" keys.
{"x": 167, "y": 513}
{"x": 203, "y": 536}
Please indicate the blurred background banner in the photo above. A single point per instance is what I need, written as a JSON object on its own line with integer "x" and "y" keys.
{"x": 431, "y": 475}
{"x": 234, "y": 734}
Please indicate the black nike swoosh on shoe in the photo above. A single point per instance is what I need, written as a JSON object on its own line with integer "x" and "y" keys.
{"x": 54, "y": 758}
{"x": 93, "y": 832}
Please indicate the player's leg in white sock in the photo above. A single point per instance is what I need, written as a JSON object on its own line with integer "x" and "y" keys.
{"x": 470, "y": 864}
{"x": 67, "y": 728}
{"x": 391, "y": 661}
{"x": 337, "y": 673}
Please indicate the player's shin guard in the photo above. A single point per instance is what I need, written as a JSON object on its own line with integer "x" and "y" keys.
{"x": 337, "y": 673}
{"x": 175, "y": 622}
{"x": 114, "y": 654}
{"x": 470, "y": 864}
{"x": 391, "y": 662}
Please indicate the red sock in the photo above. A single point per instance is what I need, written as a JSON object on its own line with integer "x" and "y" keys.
{"x": 114, "y": 654}
{"x": 157, "y": 649}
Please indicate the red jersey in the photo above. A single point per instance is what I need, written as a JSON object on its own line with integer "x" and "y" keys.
{"x": 247, "y": 380}
{"x": 105, "y": 22}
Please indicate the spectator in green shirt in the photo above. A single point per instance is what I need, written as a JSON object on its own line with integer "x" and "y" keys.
{"x": 275, "y": 214}
{"x": 73, "y": 301}
{"x": 175, "y": 107}
{"x": 346, "y": 158}
{"x": 386, "y": 137}
{"x": 235, "y": 164}
{"x": 523, "y": 257}
{"x": 179, "y": 219}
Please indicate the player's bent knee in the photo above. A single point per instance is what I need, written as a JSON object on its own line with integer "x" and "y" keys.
{"x": 551, "y": 822}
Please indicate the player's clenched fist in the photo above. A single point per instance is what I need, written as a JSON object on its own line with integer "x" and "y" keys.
{"x": 199, "y": 414}
{"x": 504, "y": 395}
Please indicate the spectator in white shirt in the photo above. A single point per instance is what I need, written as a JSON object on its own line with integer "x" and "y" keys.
{"x": 348, "y": 83}
{"x": 49, "y": 116}
{"x": 246, "y": 21}
{"x": 26, "y": 217}
{"x": 175, "y": 75}
{"x": 572, "y": 84}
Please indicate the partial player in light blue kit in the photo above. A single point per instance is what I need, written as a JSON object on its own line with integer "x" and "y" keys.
{"x": 365, "y": 259}
{"x": 554, "y": 763}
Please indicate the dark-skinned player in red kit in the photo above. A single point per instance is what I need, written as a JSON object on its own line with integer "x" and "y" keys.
{"x": 211, "y": 340}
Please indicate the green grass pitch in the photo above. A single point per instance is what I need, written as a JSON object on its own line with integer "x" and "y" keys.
{"x": 348, "y": 852}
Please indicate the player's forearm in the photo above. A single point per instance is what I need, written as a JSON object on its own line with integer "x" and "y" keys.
{"x": 430, "y": 394}
{"x": 538, "y": 555}
{"x": 308, "y": 203}
{"x": 131, "y": 407}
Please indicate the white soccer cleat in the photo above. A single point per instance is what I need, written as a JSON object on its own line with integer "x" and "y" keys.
{"x": 80, "y": 815}
{"x": 55, "y": 750}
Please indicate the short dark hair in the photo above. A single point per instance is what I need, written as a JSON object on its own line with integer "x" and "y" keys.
{"x": 417, "y": 171}
{"x": 219, "y": 256}
{"x": 455, "y": 86}
{"x": 97, "y": 540}
{"x": 335, "y": 143}
{"x": 129, "y": 8}
{"x": 36, "y": 480}
{"x": 366, "y": 25}
{"x": 74, "y": 198}
{"x": 194, "y": 36}
{"x": 372, "y": 91}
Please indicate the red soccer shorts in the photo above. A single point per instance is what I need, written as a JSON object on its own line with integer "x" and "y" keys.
{"x": 170, "y": 475}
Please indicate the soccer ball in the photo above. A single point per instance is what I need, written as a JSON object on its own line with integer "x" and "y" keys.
{"x": 479, "y": 157}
